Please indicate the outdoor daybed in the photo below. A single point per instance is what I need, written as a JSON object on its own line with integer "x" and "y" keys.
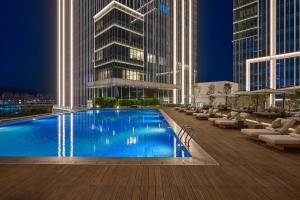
{"x": 231, "y": 115}
{"x": 205, "y": 116}
{"x": 282, "y": 141}
{"x": 283, "y": 128}
{"x": 237, "y": 122}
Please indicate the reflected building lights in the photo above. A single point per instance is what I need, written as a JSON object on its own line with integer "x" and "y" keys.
{"x": 131, "y": 140}
{"x": 64, "y": 135}
{"x": 71, "y": 135}
{"x": 59, "y": 137}
{"x": 174, "y": 146}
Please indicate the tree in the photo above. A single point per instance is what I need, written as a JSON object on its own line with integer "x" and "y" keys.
{"x": 227, "y": 91}
{"x": 211, "y": 90}
{"x": 295, "y": 100}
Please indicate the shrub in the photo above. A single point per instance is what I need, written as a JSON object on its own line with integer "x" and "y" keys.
{"x": 129, "y": 102}
{"x": 150, "y": 102}
{"x": 111, "y": 102}
{"x": 105, "y": 102}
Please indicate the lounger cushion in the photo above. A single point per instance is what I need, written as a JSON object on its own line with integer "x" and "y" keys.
{"x": 244, "y": 116}
{"x": 257, "y": 132}
{"x": 276, "y": 123}
{"x": 232, "y": 115}
{"x": 297, "y": 130}
{"x": 279, "y": 139}
{"x": 295, "y": 135}
{"x": 286, "y": 124}
{"x": 226, "y": 123}
{"x": 203, "y": 115}
{"x": 214, "y": 119}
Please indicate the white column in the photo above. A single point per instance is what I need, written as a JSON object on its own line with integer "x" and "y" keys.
{"x": 190, "y": 52}
{"x": 64, "y": 55}
{"x": 183, "y": 53}
{"x": 71, "y": 54}
{"x": 248, "y": 74}
{"x": 59, "y": 53}
{"x": 272, "y": 49}
{"x": 175, "y": 50}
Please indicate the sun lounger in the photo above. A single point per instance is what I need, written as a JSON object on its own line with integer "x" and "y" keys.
{"x": 281, "y": 141}
{"x": 236, "y": 122}
{"x": 178, "y": 108}
{"x": 205, "y": 116}
{"x": 182, "y": 109}
{"x": 230, "y": 116}
{"x": 201, "y": 112}
{"x": 283, "y": 129}
{"x": 268, "y": 114}
{"x": 191, "y": 112}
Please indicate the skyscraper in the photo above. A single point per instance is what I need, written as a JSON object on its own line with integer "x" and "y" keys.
{"x": 126, "y": 49}
{"x": 266, "y": 43}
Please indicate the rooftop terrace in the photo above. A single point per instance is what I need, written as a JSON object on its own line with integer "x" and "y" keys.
{"x": 248, "y": 169}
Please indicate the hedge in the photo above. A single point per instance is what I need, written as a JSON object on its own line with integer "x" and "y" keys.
{"x": 111, "y": 102}
{"x": 150, "y": 102}
{"x": 105, "y": 102}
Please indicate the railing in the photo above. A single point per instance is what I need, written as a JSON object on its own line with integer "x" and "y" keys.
{"x": 186, "y": 132}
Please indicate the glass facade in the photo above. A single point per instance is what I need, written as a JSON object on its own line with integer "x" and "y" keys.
{"x": 245, "y": 37}
{"x": 119, "y": 49}
{"x": 132, "y": 41}
{"x": 275, "y": 45}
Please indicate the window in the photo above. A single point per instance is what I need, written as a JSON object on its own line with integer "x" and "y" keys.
{"x": 99, "y": 55}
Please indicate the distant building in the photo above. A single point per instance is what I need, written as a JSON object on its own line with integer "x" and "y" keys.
{"x": 266, "y": 44}
{"x": 201, "y": 90}
{"x": 126, "y": 49}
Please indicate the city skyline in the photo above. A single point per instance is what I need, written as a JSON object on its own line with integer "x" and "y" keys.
{"x": 38, "y": 44}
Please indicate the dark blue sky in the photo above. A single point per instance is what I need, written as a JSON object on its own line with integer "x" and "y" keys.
{"x": 27, "y": 38}
{"x": 28, "y": 43}
{"x": 215, "y": 40}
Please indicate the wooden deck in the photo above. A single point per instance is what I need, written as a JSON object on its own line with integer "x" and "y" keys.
{"x": 248, "y": 170}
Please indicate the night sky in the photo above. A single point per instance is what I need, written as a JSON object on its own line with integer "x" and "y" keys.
{"x": 28, "y": 43}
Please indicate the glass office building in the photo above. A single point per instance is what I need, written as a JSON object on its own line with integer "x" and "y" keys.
{"x": 126, "y": 49}
{"x": 266, "y": 43}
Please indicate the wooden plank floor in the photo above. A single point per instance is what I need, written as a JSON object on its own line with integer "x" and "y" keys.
{"x": 248, "y": 170}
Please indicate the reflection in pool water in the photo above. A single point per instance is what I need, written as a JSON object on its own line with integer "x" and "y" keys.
{"x": 93, "y": 133}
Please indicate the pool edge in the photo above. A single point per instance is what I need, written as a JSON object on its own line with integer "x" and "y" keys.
{"x": 199, "y": 156}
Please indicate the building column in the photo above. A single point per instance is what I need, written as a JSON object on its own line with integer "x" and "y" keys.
{"x": 190, "y": 52}
{"x": 183, "y": 53}
{"x": 175, "y": 50}
{"x": 272, "y": 49}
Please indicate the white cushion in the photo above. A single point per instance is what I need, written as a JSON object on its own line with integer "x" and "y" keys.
{"x": 203, "y": 115}
{"x": 279, "y": 139}
{"x": 214, "y": 119}
{"x": 257, "y": 132}
{"x": 295, "y": 135}
{"x": 270, "y": 129}
{"x": 226, "y": 122}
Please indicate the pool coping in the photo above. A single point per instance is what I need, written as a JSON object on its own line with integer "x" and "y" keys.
{"x": 199, "y": 156}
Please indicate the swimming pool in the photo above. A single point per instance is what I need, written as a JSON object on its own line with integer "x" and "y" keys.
{"x": 93, "y": 133}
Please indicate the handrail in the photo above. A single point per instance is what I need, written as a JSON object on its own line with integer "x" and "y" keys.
{"x": 188, "y": 132}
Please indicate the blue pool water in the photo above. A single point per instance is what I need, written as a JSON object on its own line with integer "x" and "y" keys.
{"x": 94, "y": 133}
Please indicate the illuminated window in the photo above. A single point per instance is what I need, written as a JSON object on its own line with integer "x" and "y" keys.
{"x": 136, "y": 55}
{"x": 99, "y": 55}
